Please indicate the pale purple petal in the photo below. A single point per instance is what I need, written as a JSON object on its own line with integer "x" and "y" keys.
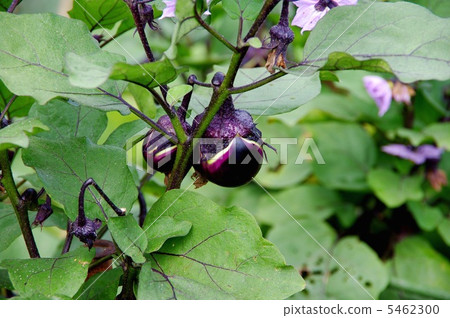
{"x": 405, "y": 152}
{"x": 430, "y": 151}
{"x": 380, "y": 91}
{"x": 346, "y": 2}
{"x": 307, "y": 16}
{"x": 169, "y": 10}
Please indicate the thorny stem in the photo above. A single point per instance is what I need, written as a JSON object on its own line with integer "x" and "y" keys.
{"x": 5, "y": 110}
{"x": 140, "y": 25}
{"x": 84, "y": 186}
{"x": 13, "y": 5}
{"x": 184, "y": 150}
{"x": 212, "y": 31}
{"x": 19, "y": 207}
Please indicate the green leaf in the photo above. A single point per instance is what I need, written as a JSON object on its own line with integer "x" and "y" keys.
{"x": 444, "y": 231}
{"x": 328, "y": 76}
{"x": 4, "y": 4}
{"x": 32, "y": 59}
{"x": 360, "y": 261}
{"x": 73, "y": 161}
{"x": 414, "y": 52}
{"x": 348, "y": 151}
{"x": 281, "y": 170}
{"x": 94, "y": 70}
{"x": 49, "y": 276}
{"x": 419, "y": 268}
{"x": 101, "y": 286}
{"x": 121, "y": 136}
{"x": 393, "y": 189}
{"x": 427, "y": 217}
{"x": 176, "y": 93}
{"x": 167, "y": 227}
{"x": 301, "y": 251}
{"x": 17, "y": 133}
{"x": 144, "y": 99}
{"x": 247, "y": 9}
{"x": 67, "y": 120}
{"x": 99, "y": 14}
{"x": 440, "y": 132}
{"x": 344, "y": 61}
{"x": 223, "y": 256}
{"x": 9, "y": 226}
{"x": 19, "y": 107}
{"x": 279, "y": 96}
{"x": 129, "y": 236}
{"x": 148, "y": 74}
{"x": 317, "y": 202}
{"x": 438, "y": 7}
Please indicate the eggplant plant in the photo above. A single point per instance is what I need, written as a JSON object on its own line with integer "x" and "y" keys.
{"x": 133, "y": 131}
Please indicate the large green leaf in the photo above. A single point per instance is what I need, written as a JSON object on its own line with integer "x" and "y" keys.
{"x": 412, "y": 40}
{"x": 417, "y": 267}
{"x": 129, "y": 236}
{"x": 438, "y": 7}
{"x": 393, "y": 189}
{"x": 301, "y": 250}
{"x": 9, "y": 226}
{"x": 279, "y": 96}
{"x": 4, "y": 4}
{"x": 223, "y": 256}
{"x": 49, "y": 277}
{"x": 348, "y": 151}
{"x": 427, "y": 217}
{"x": 360, "y": 261}
{"x": 99, "y": 14}
{"x": 17, "y": 133}
{"x": 102, "y": 286}
{"x": 440, "y": 132}
{"x": 32, "y": 59}
{"x": 64, "y": 165}
{"x": 305, "y": 201}
{"x": 167, "y": 227}
{"x": 92, "y": 71}
{"x": 66, "y": 120}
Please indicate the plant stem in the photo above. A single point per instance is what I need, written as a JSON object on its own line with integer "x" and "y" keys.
{"x": 69, "y": 237}
{"x": 264, "y": 81}
{"x": 19, "y": 208}
{"x": 142, "y": 208}
{"x": 128, "y": 279}
{"x": 212, "y": 31}
{"x": 141, "y": 115}
{"x": 13, "y": 5}
{"x": 140, "y": 28}
{"x": 84, "y": 186}
{"x": 7, "y": 107}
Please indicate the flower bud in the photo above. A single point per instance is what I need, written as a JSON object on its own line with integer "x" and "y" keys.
{"x": 87, "y": 232}
{"x": 44, "y": 212}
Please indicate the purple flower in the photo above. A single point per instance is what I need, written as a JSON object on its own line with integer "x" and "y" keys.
{"x": 309, "y": 12}
{"x": 417, "y": 155}
{"x": 380, "y": 91}
{"x": 169, "y": 10}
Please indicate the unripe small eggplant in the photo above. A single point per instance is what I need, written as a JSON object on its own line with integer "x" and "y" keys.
{"x": 158, "y": 151}
{"x": 231, "y": 151}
